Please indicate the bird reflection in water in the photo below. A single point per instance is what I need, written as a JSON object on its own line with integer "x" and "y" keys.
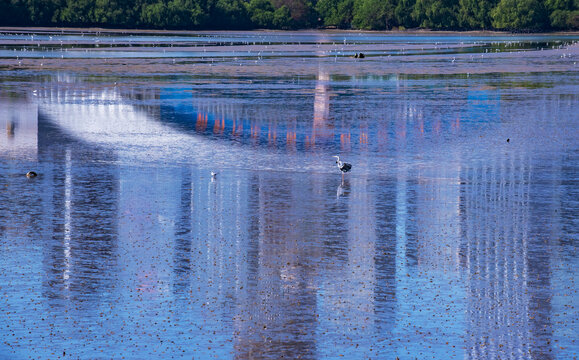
{"x": 343, "y": 188}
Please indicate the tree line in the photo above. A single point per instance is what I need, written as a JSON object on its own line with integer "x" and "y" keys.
{"x": 512, "y": 15}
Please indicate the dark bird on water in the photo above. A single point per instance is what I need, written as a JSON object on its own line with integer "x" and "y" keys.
{"x": 343, "y": 166}
{"x": 31, "y": 174}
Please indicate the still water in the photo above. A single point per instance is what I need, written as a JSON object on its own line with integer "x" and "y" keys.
{"x": 453, "y": 237}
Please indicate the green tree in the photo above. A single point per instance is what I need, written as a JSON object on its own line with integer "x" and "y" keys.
{"x": 154, "y": 15}
{"x": 475, "y": 14}
{"x": 436, "y": 14}
{"x": 76, "y": 12}
{"x": 112, "y": 13}
{"x": 261, "y": 13}
{"x": 185, "y": 14}
{"x": 172, "y": 14}
{"x": 40, "y": 12}
{"x": 289, "y": 14}
{"x": 282, "y": 18}
{"x": 561, "y": 13}
{"x": 229, "y": 14}
{"x": 337, "y": 13}
{"x": 403, "y": 13}
{"x": 13, "y": 12}
{"x": 573, "y": 20}
{"x": 519, "y": 15}
{"x": 373, "y": 14}
{"x": 301, "y": 12}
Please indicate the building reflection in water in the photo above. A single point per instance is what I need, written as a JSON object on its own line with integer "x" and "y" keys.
{"x": 447, "y": 257}
{"x": 80, "y": 218}
{"x": 507, "y": 260}
{"x": 277, "y": 316}
{"x": 58, "y": 231}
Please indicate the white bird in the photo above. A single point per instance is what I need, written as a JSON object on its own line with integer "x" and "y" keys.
{"x": 343, "y": 166}
{"x": 213, "y": 176}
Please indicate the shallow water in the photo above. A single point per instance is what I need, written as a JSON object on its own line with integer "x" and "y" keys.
{"x": 454, "y": 235}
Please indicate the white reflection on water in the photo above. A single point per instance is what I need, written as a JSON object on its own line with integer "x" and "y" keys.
{"x": 67, "y": 217}
{"x": 444, "y": 242}
{"x": 105, "y": 120}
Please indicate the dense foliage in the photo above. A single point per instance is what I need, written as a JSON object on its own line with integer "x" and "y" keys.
{"x": 516, "y": 15}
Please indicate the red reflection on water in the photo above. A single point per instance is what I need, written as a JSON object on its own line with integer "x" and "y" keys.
{"x": 455, "y": 125}
{"x": 310, "y": 141}
{"x": 436, "y": 127}
{"x": 272, "y": 135}
{"x": 219, "y": 126}
{"x": 401, "y": 129}
{"x": 363, "y": 137}
{"x": 345, "y": 142}
{"x": 237, "y": 129}
{"x": 201, "y": 124}
{"x": 290, "y": 139}
{"x": 254, "y": 131}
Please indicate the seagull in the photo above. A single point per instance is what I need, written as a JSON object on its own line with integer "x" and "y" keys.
{"x": 213, "y": 176}
{"x": 343, "y": 166}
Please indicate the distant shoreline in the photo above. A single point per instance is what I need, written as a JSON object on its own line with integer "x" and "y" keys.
{"x": 11, "y": 29}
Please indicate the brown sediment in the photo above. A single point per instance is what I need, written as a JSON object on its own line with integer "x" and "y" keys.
{"x": 285, "y": 67}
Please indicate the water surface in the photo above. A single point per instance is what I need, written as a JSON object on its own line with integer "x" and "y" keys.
{"x": 454, "y": 235}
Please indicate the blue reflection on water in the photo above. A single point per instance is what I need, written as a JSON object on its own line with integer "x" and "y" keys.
{"x": 341, "y": 124}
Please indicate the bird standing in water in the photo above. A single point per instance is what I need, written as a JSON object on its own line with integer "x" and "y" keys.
{"x": 343, "y": 166}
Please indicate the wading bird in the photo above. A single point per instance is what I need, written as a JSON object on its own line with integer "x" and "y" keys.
{"x": 343, "y": 166}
